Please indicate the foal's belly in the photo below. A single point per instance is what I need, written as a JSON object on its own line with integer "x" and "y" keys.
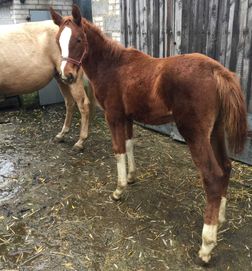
{"x": 150, "y": 109}
{"x": 154, "y": 117}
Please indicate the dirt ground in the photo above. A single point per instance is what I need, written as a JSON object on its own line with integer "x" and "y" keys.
{"x": 56, "y": 213}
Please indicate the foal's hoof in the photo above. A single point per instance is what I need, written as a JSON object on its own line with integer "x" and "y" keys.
{"x": 131, "y": 181}
{"x": 198, "y": 261}
{"x": 221, "y": 221}
{"x": 77, "y": 148}
{"x": 204, "y": 257}
{"x": 58, "y": 139}
{"x": 131, "y": 177}
{"x": 114, "y": 196}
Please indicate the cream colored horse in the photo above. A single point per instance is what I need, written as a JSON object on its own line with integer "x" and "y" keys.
{"x": 29, "y": 59}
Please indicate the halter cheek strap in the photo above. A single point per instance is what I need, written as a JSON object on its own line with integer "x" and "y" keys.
{"x": 74, "y": 61}
{"x": 84, "y": 54}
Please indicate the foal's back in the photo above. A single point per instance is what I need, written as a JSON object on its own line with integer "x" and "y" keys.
{"x": 161, "y": 86}
{"x": 28, "y": 56}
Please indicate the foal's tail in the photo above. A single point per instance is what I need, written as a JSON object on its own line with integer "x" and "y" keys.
{"x": 233, "y": 108}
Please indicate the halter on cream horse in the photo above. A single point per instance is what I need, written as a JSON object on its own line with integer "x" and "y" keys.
{"x": 29, "y": 59}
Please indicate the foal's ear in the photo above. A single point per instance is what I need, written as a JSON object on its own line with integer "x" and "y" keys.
{"x": 76, "y": 15}
{"x": 57, "y": 18}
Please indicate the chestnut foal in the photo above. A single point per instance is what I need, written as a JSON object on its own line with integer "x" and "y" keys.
{"x": 199, "y": 94}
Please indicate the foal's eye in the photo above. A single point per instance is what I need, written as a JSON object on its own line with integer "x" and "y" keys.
{"x": 78, "y": 40}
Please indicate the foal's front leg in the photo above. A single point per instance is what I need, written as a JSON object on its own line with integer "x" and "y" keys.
{"x": 122, "y": 176}
{"x": 79, "y": 95}
{"x": 69, "y": 103}
{"x": 75, "y": 93}
{"x": 117, "y": 128}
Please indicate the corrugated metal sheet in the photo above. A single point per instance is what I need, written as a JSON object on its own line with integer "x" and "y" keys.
{"x": 5, "y": 14}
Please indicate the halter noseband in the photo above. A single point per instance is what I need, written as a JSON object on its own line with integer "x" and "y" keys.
{"x": 84, "y": 54}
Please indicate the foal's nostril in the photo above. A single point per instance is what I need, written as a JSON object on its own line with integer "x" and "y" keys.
{"x": 70, "y": 78}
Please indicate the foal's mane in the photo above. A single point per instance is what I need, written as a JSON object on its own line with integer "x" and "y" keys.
{"x": 111, "y": 48}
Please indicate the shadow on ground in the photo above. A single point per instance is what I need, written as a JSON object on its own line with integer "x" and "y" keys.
{"x": 56, "y": 213}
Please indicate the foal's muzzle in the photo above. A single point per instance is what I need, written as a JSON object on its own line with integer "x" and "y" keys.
{"x": 69, "y": 79}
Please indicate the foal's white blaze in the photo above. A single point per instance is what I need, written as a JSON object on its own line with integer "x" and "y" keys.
{"x": 131, "y": 160}
{"x": 122, "y": 175}
{"x": 222, "y": 210}
{"x": 209, "y": 241}
{"x": 64, "y": 46}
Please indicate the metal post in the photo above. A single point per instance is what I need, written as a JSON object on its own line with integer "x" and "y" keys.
{"x": 86, "y": 8}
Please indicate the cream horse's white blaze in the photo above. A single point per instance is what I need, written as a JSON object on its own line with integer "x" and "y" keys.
{"x": 64, "y": 45}
{"x": 29, "y": 56}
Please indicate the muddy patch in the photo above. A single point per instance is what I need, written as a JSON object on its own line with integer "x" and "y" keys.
{"x": 9, "y": 185}
{"x": 56, "y": 213}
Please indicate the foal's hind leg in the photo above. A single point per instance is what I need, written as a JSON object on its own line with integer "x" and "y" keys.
{"x": 219, "y": 146}
{"x": 129, "y": 151}
{"x": 69, "y": 103}
{"x": 204, "y": 158}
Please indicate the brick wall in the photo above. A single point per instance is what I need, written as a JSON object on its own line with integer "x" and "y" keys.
{"x": 106, "y": 14}
{"x": 19, "y": 12}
